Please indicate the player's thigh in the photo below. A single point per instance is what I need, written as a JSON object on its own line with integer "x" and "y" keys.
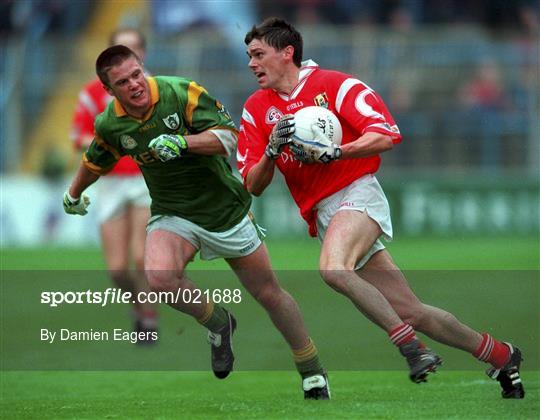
{"x": 115, "y": 239}
{"x": 167, "y": 251}
{"x": 349, "y": 236}
{"x": 255, "y": 271}
{"x": 138, "y": 218}
{"x": 382, "y": 273}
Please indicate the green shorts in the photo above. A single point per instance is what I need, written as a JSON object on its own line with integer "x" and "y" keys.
{"x": 239, "y": 241}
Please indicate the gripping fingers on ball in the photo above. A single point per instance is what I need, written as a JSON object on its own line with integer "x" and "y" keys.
{"x": 286, "y": 132}
{"x": 299, "y": 153}
{"x": 171, "y": 145}
{"x": 285, "y": 126}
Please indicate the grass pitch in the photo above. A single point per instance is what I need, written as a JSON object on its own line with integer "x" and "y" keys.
{"x": 457, "y": 391}
{"x": 413, "y": 253}
{"x": 268, "y": 395}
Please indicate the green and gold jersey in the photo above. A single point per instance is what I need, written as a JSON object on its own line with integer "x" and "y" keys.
{"x": 199, "y": 188}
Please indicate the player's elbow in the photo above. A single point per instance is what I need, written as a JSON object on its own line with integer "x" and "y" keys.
{"x": 256, "y": 184}
{"x": 254, "y": 190}
{"x": 387, "y": 143}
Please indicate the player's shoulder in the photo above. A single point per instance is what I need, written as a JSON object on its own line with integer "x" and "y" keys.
{"x": 176, "y": 87}
{"x": 170, "y": 80}
{"x": 174, "y": 82}
{"x": 258, "y": 98}
{"x": 334, "y": 77}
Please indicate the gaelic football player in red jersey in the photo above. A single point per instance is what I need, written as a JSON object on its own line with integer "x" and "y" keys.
{"x": 342, "y": 201}
{"x": 122, "y": 196}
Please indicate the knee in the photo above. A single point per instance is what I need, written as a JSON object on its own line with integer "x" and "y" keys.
{"x": 335, "y": 275}
{"x": 163, "y": 280}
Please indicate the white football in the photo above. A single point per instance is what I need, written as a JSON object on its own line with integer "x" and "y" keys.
{"x": 325, "y": 119}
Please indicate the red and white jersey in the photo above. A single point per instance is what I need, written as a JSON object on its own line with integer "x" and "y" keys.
{"x": 359, "y": 109}
{"x": 93, "y": 99}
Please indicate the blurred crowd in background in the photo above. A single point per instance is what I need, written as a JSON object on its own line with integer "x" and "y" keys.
{"x": 461, "y": 77}
{"x": 35, "y": 17}
{"x": 455, "y": 72}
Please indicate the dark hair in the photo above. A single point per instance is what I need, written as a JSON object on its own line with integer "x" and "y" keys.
{"x": 119, "y": 31}
{"x": 278, "y": 33}
{"x": 111, "y": 57}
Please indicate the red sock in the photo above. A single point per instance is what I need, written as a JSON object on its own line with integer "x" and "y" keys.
{"x": 402, "y": 335}
{"x": 492, "y": 351}
{"x": 148, "y": 319}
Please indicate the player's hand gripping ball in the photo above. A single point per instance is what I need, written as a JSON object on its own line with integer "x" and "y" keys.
{"x": 317, "y": 137}
{"x": 280, "y": 136}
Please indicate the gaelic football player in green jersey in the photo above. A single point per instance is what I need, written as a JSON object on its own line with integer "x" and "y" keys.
{"x": 180, "y": 137}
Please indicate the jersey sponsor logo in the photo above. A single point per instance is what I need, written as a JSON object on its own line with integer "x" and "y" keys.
{"x": 172, "y": 121}
{"x": 147, "y": 127}
{"x": 289, "y": 157}
{"x": 127, "y": 142}
{"x": 145, "y": 158}
{"x": 273, "y": 115}
{"x": 295, "y": 105}
{"x": 321, "y": 100}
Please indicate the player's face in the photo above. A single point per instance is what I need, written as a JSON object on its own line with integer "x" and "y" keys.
{"x": 267, "y": 64}
{"x": 128, "y": 84}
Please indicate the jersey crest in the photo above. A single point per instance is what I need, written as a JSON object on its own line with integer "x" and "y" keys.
{"x": 321, "y": 100}
{"x": 273, "y": 115}
{"x": 127, "y": 142}
{"x": 172, "y": 121}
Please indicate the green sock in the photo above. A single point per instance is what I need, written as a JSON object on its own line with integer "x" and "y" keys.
{"x": 216, "y": 319}
{"x": 307, "y": 361}
{"x": 310, "y": 367}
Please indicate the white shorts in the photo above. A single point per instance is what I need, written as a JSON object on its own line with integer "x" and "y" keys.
{"x": 239, "y": 241}
{"x": 365, "y": 195}
{"x": 116, "y": 193}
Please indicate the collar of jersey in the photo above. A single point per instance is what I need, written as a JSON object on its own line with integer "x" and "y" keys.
{"x": 154, "y": 98}
{"x": 308, "y": 67}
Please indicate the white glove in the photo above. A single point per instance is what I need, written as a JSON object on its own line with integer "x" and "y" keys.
{"x": 280, "y": 136}
{"x": 76, "y": 206}
{"x": 318, "y": 150}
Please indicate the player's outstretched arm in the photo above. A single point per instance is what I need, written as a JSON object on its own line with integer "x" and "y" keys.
{"x": 208, "y": 143}
{"x": 174, "y": 146}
